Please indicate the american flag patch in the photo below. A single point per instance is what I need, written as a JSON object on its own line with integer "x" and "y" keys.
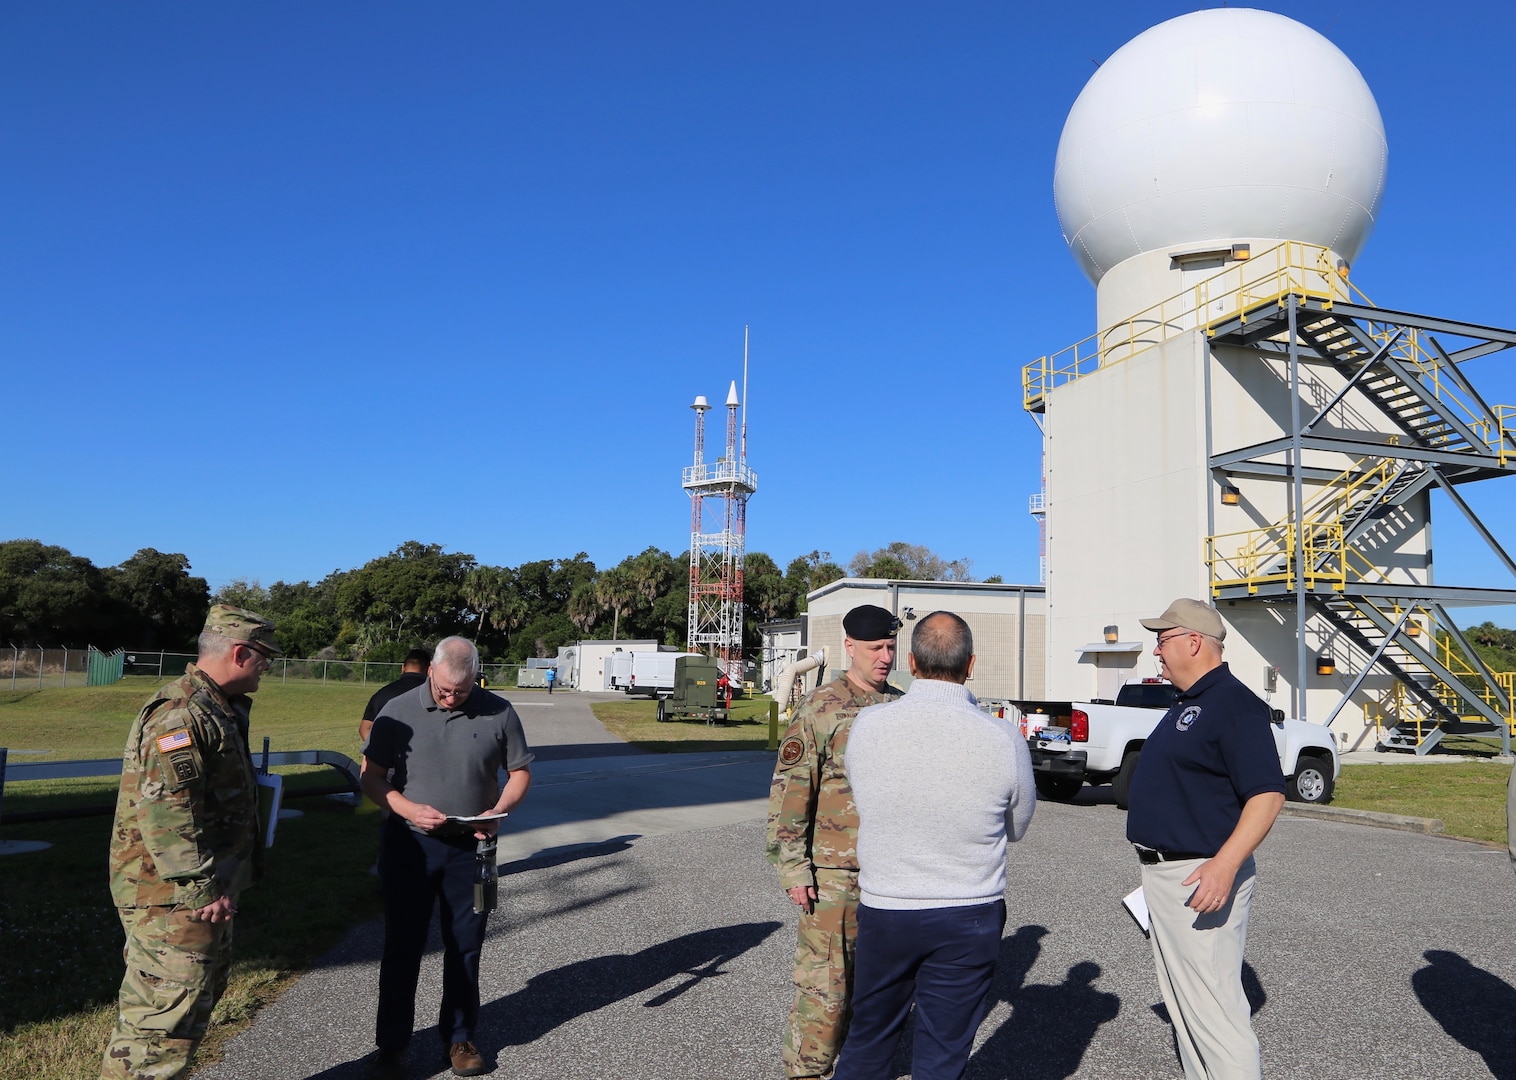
{"x": 174, "y": 740}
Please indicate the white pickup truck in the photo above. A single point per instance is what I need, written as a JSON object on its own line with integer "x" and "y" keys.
{"x": 1100, "y": 742}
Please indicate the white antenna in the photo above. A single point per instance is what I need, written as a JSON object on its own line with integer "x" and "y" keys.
{"x": 742, "y": 457}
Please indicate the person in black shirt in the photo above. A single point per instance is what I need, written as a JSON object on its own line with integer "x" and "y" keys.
{"x": 412, "y": 675}
{"x": 1206, "y": 792}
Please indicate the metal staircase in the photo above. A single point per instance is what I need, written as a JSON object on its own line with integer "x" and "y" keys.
{"x": 1441, "y": 686}
{"x": 1441, "y": 434}
{"x": 1354, "y": 480}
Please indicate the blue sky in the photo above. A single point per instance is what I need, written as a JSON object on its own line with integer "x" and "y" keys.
{"x": 284, "y": 285}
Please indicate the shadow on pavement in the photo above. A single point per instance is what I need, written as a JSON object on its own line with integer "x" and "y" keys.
{"x": 1472, "y": 1005}
{"x": 555, "y": 997}
{"x": 1050, "y": 1027}
{"x": 567, "y": 853}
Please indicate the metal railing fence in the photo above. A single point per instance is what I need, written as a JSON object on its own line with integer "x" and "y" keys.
{"x": 34, "y": 667}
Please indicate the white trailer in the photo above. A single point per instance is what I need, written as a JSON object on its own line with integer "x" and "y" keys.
{"x": 618, "y": 670}
{"x": 653, "y": 673}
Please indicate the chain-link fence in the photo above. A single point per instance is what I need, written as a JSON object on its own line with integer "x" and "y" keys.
{"x": 33, "y": 667}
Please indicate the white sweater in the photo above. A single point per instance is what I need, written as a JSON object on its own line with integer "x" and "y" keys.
{"x": 940, "y": 786}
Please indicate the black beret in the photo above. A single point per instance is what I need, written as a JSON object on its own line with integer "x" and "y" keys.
{"x": 869, "y": 622}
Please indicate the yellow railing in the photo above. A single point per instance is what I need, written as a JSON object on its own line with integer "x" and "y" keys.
{"x": 1267, "y": 556}
{"x": 1397, "y": 707}
{"x": 1290, "y": 267}
{"x": 1503, "y": 438}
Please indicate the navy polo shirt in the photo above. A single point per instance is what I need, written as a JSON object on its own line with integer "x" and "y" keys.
{"x": 448, "y": 758}
{"x": 1212, "y": 752}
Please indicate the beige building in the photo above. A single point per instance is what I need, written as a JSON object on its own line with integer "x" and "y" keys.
{"x": 1008, "y": 623}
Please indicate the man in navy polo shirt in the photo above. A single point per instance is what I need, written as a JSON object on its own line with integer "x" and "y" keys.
{"x": 1206, "y": 792}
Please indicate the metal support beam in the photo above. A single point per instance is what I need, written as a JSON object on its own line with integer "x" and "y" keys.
{"x": 1489, "y": 537}
{"x": 1298, "y": 487}
{"x": 1352, "y": 382}
{"x": 1436, "y": 667}
{"x": 1475, "y": 660}
{"x": 1364, "y": 671}
{"x": 1464, "y": 459}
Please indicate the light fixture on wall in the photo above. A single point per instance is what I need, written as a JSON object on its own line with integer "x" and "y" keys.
{"x": 1230, "y": 495}
{"x": 908, "y": 613}
{"x": 1413, "y": 629}
{"x": 1112, "y": 635}
{"x": 1325, "y": 665}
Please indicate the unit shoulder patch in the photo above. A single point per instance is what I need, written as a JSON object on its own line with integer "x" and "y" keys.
{"x": 792, "y": 751}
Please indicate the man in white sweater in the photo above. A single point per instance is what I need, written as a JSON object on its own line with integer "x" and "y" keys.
{"x": 941, "y": 787}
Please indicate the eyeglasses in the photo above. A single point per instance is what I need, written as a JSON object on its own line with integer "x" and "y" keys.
{"x": 1171, "y": 637}
{"x": 268, "y": 658}
{"x": 443, "y": 693}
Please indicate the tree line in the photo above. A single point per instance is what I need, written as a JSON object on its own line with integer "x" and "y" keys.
{"x": 415, "y": 594}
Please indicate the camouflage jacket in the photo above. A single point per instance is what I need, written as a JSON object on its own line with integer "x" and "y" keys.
{"x": 186, "y": 828}
{"x": 812, "y": 819}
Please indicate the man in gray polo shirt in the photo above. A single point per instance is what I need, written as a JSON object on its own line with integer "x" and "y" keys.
{"x": 435, "y": 754}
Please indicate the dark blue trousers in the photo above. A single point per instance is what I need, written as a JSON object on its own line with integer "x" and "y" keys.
{"x": 415, "y": 871}
{"x": 944, "y": 960}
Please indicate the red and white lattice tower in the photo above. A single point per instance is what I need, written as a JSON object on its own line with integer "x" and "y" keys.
{"x": 718, "y": 534}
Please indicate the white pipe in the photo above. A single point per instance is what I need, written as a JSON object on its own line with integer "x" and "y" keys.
{"x": 787, "y": 677}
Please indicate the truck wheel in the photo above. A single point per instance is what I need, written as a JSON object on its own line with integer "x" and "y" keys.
{"x": 1058, "y": 788}
{"x": 1312, "y": 782}
{"x": 1121, "y": 785}
{"x": 661, "y": 715}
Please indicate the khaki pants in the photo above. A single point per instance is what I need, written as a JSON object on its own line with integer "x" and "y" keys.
{"x": 175, "y": 971}
{"x": 1199, "y": 962}
{"x": 823, "y": 976}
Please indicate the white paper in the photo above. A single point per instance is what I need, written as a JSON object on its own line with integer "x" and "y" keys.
{"x": 275, "y": 783}
{"x": 1137, "y": 907}
{"x": 478, "y": 818}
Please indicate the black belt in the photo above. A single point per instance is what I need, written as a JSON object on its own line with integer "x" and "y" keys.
{"x": 1150, "y": 856}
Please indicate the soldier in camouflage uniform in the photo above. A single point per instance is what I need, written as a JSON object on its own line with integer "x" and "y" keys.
{"x": 184, "y": 846}
{"x": 813, "y": 835}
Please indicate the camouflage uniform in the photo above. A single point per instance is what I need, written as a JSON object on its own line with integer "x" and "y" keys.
{"x": 813, "y": 840}
{"x": 186, "y": 833}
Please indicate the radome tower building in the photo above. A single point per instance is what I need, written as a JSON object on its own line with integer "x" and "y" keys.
{"x": 1246, "y": 426}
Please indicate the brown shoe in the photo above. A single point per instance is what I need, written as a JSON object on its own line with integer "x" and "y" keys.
{"x": 386, "y": 1065}
{"x": 466, "y": 1059}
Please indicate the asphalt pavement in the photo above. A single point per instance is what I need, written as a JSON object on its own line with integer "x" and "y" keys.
{"x": 641, "y": 935}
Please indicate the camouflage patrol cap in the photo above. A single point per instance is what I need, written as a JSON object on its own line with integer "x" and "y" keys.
{"x": 239, "y": 624}
{"x": 870, "y": 622}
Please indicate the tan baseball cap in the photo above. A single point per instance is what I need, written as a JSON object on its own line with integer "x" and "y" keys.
{"x": 1189, "y": 615}
{"x": 239, "y": 624}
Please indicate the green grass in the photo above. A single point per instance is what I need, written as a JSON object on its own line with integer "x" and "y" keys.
{"x": 92, "y": 721}
{"x": 56, "y": 916}
{"x": 56, "y": 919}
{"x": 1469, "y": 798}
{"x": 636, "y": 721}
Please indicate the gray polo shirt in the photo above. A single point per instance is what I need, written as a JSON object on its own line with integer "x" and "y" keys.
{"x": 448, "y": 758}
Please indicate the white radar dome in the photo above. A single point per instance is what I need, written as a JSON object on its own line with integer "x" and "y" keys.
{"x": 1221, "y": 124}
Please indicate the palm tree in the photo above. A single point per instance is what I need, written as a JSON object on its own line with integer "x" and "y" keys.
{"x": 616, "y": 592}
{"x": 484, "y": 590}
{"x": 583, "y": 608}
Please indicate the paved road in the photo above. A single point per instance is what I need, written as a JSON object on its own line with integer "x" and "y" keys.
{"x": 652, "y": 942}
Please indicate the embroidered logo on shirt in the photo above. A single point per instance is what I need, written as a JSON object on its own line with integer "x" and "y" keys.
{"x": 174, "y": 740}
{"x": 791, "y": 751}
{"x": 1186, "y": 718}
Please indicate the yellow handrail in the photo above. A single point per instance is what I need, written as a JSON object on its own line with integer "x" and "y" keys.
{"x": 1291, "y": 267}
{"x": 1296, "y": 268}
